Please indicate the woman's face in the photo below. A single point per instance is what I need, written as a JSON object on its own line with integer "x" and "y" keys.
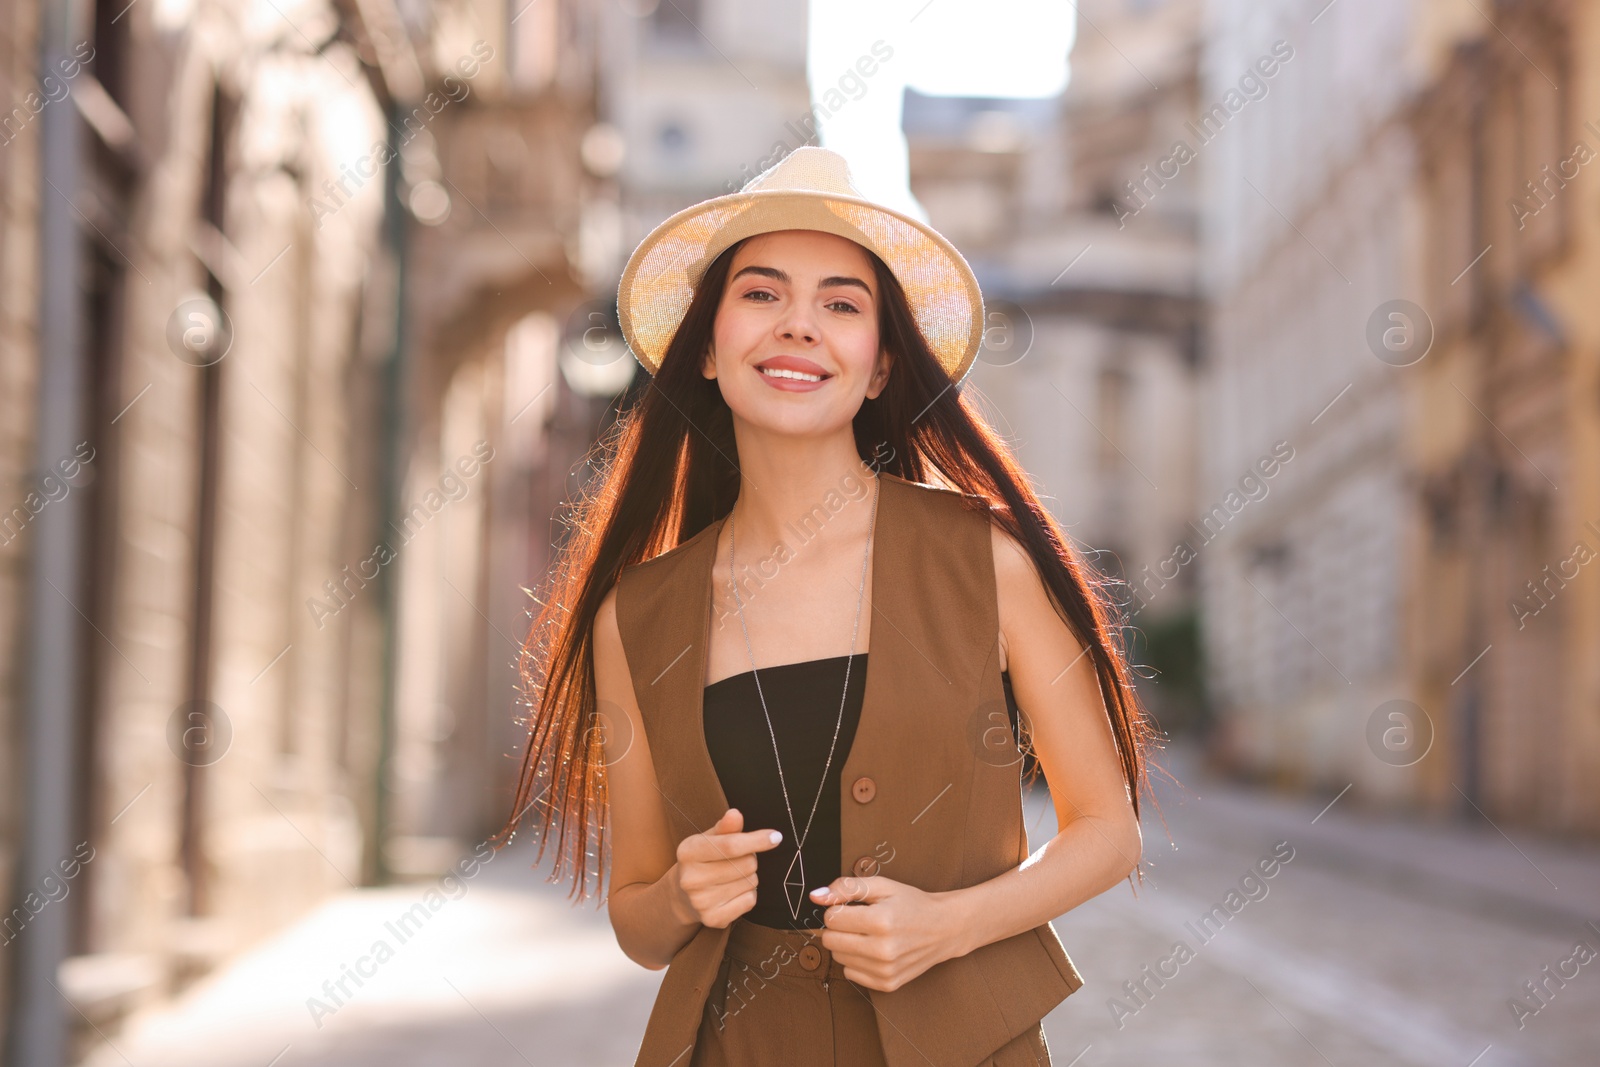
{"x": 805, "y": 304}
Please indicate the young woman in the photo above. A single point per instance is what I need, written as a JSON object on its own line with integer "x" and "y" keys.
{"x": 810, "y": 619}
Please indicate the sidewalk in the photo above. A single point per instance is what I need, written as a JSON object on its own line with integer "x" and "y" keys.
{"x": 1386, "y": 941}
{"x": 507, "y": 972}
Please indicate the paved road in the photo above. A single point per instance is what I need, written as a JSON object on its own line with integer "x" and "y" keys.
{"x": 1374, "y": 942}
{"x": 1379, "y": 942}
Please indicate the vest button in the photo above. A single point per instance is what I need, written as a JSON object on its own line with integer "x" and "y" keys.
{"x": 865, "y": 867}
{"x": 810, "y": 957}
{"x": 864, "y": 789}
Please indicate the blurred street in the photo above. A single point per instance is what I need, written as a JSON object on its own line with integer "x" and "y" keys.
{"x": 1381, "y": 941}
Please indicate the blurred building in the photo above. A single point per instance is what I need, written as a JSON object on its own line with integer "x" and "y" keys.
{"x": 285, "y": 416}
{"x": 1505, "y": 452}
{"x": 1091, "y": 354}
{"x": 1424, "y": 356}
{"x": 496, "y": 267}
{"x": 706, "y": 95}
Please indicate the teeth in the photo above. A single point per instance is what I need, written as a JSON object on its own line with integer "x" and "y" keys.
{"x": 797, "y": 375}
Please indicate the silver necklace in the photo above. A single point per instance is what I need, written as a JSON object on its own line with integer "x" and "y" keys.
{"x": 794, "y": 879}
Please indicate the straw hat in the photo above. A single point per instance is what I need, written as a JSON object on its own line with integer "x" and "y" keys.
{"x": 810, "y": 189}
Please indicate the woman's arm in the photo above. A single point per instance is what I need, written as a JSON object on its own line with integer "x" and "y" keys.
{"x": 648, "y": 912}
{"x": 1098, "y": 842}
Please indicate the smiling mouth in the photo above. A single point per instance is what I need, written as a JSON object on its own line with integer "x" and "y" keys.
{"x": 799, "y": 376}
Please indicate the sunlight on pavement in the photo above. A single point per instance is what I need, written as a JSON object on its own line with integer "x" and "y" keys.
{"x": 473, "y": 972}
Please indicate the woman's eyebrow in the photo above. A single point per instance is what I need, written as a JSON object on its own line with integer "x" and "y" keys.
{"x": 838, "y": 279}
{"x": 782, "y": 276}
{"x": 766, "y": 272}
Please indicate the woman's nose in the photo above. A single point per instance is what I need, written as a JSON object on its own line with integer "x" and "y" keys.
{"x": 798, "y": 324}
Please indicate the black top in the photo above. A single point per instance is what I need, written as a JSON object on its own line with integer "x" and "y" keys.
{"x": 803, "y": 700}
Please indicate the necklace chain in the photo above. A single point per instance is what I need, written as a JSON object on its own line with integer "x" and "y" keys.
{"x": 799, "y": 837}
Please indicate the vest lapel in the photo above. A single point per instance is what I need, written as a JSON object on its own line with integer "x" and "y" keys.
{"x": 701, "y": 790}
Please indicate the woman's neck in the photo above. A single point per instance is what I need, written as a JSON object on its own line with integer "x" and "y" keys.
{"x": 803, "y": 487}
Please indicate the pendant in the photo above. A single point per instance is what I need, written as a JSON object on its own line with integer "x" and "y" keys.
{"x": 794, "y": 884}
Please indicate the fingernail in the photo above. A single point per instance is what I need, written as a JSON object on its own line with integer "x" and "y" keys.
{"x": 822, "y": 891}
{"x": 776, "y": 837}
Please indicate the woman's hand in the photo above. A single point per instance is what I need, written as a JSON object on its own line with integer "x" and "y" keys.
{"x": 895, "y": 934}
{"x": 714, "y": 880}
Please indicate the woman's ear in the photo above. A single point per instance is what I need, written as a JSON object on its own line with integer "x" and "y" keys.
{"x": 708, "y": 363}
{"x": 880, "y": 374}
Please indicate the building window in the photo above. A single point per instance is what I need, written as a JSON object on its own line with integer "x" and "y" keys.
{"x": 1112, "y": 404}
{"x": 676, "y": 20}
{"x": 673, "y": 140}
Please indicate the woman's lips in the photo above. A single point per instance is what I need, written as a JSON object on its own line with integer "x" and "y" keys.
{"x": 791, "y": 385}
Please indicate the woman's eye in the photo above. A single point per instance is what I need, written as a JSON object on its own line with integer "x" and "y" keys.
{"x": 846, "y": 305}
{"x": 760, "y": 293}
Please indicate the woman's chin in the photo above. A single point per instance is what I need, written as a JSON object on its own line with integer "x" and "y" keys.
{"x": 787, "y": 418}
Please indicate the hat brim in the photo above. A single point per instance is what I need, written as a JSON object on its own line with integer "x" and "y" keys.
{"x": 662, "y": 273}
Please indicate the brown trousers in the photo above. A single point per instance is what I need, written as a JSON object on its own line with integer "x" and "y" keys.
{"x": 780, "y": 999}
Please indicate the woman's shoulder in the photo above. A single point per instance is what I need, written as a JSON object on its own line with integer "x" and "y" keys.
{"x": 673, "y": 554}
{"x": 1014, "y": 566}
{"x": 645, "y": 589}
{"x": 939, "y": 495}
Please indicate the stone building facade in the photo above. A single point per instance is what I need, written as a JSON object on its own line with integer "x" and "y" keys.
{"x": 316, "y": 466}
{"x": 1507, "y": 473}
{"x": 1378, "y": 303}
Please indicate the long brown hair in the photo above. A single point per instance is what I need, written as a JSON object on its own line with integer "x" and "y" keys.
{"x": 667, "y": 470}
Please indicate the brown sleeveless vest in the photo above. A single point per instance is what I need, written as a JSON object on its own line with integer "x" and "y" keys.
{"x": 924, "y": 800}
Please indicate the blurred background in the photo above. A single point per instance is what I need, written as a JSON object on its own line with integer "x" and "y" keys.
{"x": 307, "y": 325}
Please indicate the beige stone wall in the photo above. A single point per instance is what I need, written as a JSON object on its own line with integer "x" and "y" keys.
{"x": 19, "y": 299}
{"x": 280, "y": 824}
{"x": 288, "y": 810}
{"x": 1429, "y": 493}
{"x": 1507, "y": 422}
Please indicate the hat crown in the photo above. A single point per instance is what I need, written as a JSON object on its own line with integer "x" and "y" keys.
{"x": 809, "y": 168}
